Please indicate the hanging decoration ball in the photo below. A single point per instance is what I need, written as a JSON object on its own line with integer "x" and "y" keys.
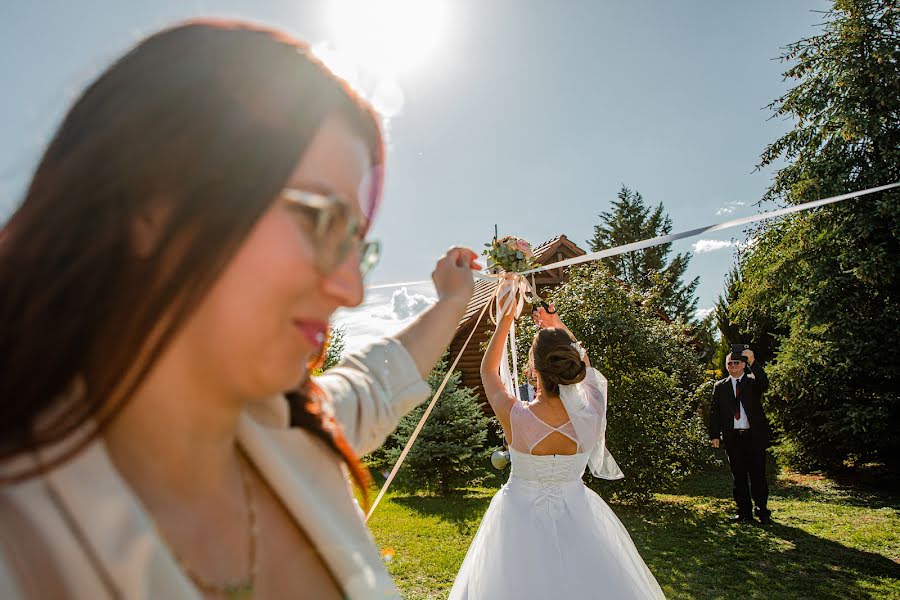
{"x": 500, "y": 458}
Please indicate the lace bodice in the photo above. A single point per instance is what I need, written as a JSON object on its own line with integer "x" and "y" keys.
{"x": 528, "y": 430}
{"x": 585, "y": 404}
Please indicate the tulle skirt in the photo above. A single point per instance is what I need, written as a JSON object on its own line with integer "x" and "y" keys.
{"x": 559, "y": 541}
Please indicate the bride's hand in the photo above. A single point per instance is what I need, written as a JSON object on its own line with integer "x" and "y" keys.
{"x": 545, "y": 319}
{"x": 508, "y": 315}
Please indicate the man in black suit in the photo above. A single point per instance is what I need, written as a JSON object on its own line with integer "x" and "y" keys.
{"x": 527, "y": 390}
{"x": 737, "y": 418}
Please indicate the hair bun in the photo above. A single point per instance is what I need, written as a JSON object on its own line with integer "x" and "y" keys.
{"x": 564, "y": 366}
{"x": 556, "y": 361}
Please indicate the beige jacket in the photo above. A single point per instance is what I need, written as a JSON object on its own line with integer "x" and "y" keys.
{"x": 370, "y": 392}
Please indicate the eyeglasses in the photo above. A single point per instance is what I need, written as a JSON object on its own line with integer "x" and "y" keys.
{"x": 734, "y": 363}
{"x": 335, "y": 229}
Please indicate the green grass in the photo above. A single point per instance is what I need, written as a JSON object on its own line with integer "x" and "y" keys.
{"x": 828, "y": 540}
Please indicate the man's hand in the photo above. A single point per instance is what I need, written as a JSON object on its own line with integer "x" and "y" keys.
{"x": 714, "y": 442}
{"x": 749, "y": 355}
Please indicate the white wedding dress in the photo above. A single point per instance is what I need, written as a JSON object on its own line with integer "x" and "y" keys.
{"x": 545, "y": 535}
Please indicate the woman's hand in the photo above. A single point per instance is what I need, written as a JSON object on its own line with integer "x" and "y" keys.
{"x": 452, "y": 275}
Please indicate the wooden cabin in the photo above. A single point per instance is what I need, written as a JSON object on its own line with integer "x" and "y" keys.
{"x": 551, "y": 251}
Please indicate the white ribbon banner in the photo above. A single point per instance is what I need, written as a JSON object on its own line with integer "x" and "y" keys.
{"x": 665, "y": 239}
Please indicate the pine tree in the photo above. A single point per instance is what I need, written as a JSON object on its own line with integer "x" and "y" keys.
{"x": 829, "y": 278}
{"x": 451, "y": 450}
{"x": 336, "y": 347}
{"x": 648, "y": 271}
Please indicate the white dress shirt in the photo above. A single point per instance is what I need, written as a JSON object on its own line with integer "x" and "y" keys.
{"x": 743, "y": 422}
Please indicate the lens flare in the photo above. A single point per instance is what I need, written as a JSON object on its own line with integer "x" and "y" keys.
{"x": 388, "y": 37}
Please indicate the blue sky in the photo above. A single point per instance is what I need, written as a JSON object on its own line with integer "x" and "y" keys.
{"x": 529, "y": 114}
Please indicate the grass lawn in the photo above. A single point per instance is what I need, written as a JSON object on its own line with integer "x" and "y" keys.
{"x": 828, "y": 540}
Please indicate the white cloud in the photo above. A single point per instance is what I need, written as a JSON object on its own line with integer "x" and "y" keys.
{"x": 702, "y": 313}
{"x": 380, "y": 315}
{"x": 729, "y": 208}
{"x": 701, "y": 246}
{"x": 405, "y": 305}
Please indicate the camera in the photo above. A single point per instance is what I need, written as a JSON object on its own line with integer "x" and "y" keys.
{"x": 736, "y": 350}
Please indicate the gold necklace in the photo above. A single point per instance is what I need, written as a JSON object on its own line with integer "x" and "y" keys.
{"x": 241, "y": 590}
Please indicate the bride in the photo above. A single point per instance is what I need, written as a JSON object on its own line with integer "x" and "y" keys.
{"x": 546, "y": 535}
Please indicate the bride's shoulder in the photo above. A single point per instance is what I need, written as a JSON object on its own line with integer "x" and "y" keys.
{"x": 523, "y": 405}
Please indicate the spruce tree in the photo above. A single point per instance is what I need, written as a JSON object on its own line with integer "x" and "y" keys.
{"x": 334, "y": 349}
{"x": 451, "y": 450}
{"x": 649, "y": 271}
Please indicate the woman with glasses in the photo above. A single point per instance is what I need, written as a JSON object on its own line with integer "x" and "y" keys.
{"x": 167, "y": 284}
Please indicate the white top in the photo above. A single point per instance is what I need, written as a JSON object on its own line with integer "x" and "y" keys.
{"x": 743, "y": 422}
{"x": 369, "y": 392}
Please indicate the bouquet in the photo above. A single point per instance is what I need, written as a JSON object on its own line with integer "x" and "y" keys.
{"x": 510, "y": 254}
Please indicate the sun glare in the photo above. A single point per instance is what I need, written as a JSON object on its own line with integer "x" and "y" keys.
{"x": 387, "y": 37}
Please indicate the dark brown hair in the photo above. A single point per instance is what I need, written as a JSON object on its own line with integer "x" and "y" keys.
{"x": 209, "y": 117}
{"x": 555, "y": 360}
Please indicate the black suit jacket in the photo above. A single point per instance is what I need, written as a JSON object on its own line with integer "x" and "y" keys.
{"x": 721, "y": 411}
{"x": 523, "y": 392}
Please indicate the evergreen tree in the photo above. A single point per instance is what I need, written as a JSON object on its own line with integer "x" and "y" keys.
{"x": 828, "y": 279}
{"x": 759, "y": 334}
{"x": 649, "y": 271}
{"x": 708, "y": 340}
{"x": 451, "y": 450}
{"x": 334, "y": 349}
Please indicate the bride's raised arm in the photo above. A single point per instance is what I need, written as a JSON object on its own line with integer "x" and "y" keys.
{"x": 496, "y": 393}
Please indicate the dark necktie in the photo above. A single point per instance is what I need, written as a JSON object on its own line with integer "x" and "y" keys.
{"x": 737, "y": 400}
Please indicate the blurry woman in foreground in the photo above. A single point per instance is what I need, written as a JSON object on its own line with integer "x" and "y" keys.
{"x": 195, "y": 222}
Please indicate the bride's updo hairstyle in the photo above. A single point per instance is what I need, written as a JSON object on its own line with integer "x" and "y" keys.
{"x": 555, "y": 360}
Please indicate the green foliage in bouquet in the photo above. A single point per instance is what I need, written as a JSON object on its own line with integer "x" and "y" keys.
{"x": 510, "y": 254}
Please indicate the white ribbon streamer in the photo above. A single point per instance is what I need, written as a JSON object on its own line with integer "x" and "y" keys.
{"x": 510, "y": 297}
{"x": 665, "y": 239}
{"x": 382, "y": 286}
